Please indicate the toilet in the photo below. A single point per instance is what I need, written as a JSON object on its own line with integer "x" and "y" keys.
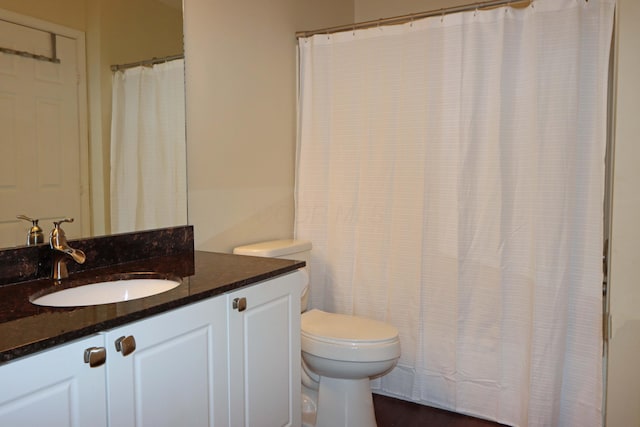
{"x": 340, "y": 353}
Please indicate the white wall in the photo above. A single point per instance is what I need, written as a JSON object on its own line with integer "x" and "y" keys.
{"x": 241, "y": 114}
{"x": 70, "y": 13}
{"x": 623, "y": 392}
{"x": 369, "y": 10}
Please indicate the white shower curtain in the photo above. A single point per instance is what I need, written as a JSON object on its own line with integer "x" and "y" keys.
{"x": 148, "y": 153}
{"x": 450, "y": 176}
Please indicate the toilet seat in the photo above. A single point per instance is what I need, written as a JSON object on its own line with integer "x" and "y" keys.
{"x": 348, "y": 338}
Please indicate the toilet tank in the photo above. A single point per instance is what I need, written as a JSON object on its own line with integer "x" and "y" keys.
{"x": 287, "y": 249}
{"x": 299, "y": 250}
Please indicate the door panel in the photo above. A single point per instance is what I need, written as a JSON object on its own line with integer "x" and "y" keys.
{"x": 177, "y": 373}
{"x": 54, "y": 388}
{"x": 40, "y": 139}
{"x": 264, "y": 354}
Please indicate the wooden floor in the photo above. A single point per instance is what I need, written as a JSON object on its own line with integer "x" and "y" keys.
{"x": 399, "y": 413}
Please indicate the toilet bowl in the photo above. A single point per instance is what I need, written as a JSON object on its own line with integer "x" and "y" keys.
{"x": 345, "y": 352}
{"x": 340, "y": 353}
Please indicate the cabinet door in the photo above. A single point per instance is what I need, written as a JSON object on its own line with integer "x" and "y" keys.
{"x": 54, "y": 388}
{"x": 264, "y": 353}
{"x": 176, "y": 372}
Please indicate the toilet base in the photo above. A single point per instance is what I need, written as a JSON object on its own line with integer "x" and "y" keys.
{"x": 345, "y": 403}
{"x": 309, "y": 409}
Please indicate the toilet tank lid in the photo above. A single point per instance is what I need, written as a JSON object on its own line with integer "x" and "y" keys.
{"x": 274, "y": 248}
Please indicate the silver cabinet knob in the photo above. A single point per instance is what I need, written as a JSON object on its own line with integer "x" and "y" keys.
{"x": 126, "y": 345}
{"x": 95, "y": 356}
{"x": 240, "y": 304}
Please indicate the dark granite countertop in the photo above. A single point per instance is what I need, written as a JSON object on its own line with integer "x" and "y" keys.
{"x": 26, "y": 328}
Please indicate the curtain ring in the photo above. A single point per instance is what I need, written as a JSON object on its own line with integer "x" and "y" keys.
{"x": 441, "y": 15}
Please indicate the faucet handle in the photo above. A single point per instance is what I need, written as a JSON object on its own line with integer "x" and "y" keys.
{"x": 57, "y": 236}
{"x": 26, "y": 218}
{"x": 56, "y": 224}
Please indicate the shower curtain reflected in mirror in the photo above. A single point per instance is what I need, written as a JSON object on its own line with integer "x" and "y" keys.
{"x": 450, "y": 176}
{"x": 148, "y": 152}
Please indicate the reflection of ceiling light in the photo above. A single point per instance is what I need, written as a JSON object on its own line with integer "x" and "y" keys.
{"x": 175, "y": 4}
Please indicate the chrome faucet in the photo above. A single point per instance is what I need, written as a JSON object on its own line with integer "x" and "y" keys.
{"x": 58, "y": 242}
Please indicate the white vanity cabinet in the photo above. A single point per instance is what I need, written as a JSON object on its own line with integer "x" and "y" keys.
{"x": 169, "y": 370}
{"x": 231, "y": 360}
{"x": 264, "y": 354}
{"x": 54, "y": 388}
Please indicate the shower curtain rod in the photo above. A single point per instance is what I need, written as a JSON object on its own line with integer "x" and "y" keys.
{"x": 403, "y": 19}
{"x": 146, "y": 62}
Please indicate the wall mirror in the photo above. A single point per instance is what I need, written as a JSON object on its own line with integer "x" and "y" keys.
{"x": 39, "y": 167}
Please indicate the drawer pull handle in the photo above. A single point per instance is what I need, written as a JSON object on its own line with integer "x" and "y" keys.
{"x": 95, "y": 356}
{"x": 126, "y": 345}
{"x": 240, "y": 304}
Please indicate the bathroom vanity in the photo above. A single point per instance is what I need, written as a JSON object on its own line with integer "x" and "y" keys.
{"x": 221, "y": 349}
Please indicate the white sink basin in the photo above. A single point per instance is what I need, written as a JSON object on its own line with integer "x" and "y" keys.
{"x": 107, "y": 292}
